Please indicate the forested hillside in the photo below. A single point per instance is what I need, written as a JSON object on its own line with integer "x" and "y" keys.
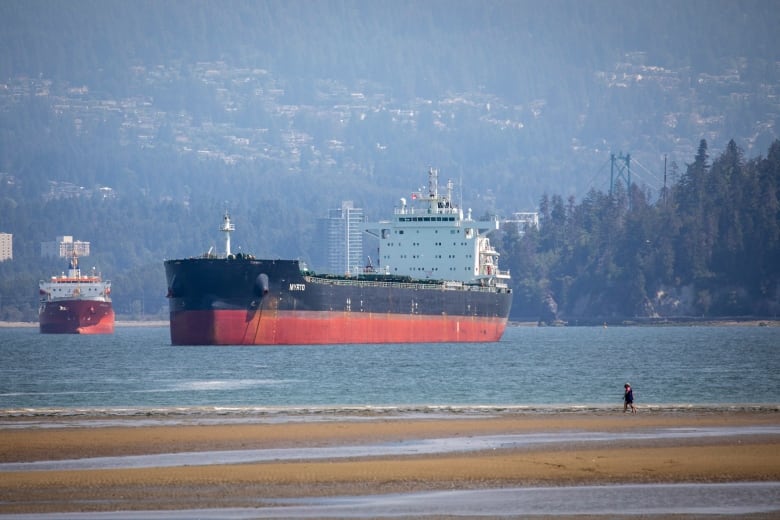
{"x": 134, "y": 125}
{"x": 710, "y": 246}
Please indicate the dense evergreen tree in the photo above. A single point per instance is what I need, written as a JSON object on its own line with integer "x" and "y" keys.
{"x": 711, "y": 247}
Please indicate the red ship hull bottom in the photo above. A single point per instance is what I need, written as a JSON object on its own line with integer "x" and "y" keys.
{"x": 234, "y": 327}
{"x": 76, "y": 317}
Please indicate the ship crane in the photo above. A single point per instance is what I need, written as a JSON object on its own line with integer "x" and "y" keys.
{"x": 227, "y": 228}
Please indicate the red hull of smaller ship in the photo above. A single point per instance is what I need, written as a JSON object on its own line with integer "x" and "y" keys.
{"x": 234, "y": 327}
{"x": 76, "y": 317}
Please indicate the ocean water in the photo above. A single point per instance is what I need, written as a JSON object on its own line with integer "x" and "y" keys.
{"x": 137, "y": 371}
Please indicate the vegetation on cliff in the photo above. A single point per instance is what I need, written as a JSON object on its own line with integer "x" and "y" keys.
{"x": 708, "y": 246}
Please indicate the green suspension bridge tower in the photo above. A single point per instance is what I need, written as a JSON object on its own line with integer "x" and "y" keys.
{"x": 620, "y": 169}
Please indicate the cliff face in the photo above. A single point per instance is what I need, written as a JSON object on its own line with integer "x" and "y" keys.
{"x": 669, "y": 302}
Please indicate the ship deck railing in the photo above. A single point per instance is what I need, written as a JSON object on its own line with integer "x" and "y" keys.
{"x": 437, "y": 286}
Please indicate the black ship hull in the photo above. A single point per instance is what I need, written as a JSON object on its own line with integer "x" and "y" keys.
{"x": 245, "y": 301}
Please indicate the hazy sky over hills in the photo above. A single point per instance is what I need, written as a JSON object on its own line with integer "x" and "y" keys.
{"x": 573, "y": 79}
{"x": 471, "y": 43}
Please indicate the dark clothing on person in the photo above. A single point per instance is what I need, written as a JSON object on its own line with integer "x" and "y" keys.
{"x": 628, "y": 399}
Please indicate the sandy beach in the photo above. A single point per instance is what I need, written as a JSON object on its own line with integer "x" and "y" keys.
{"x": 715, "y": 458}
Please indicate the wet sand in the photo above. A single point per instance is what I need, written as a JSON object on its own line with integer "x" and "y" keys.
{"x": 722, "y": 458}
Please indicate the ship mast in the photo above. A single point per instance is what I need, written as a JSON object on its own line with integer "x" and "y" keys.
{"x": 433, "y": 183}
{"x": 73, "y": 267}
{"x": 227, "y": 228}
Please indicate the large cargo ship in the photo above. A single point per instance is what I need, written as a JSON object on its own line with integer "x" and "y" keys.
{"x": 437, "y": 280}
{"x": 75, "y": 303}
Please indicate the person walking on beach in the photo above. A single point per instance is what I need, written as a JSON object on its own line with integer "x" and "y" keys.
{"x": 628, "y": 399}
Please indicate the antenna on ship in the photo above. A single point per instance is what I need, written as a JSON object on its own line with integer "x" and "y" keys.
{"x": 227, "y": 228}
{"x": 433, "y": 183}
{"x": 73, "y": 267}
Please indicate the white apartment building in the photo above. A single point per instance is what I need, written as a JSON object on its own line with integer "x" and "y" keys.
{"x": 345, "y": 238}
{"x": 6, "y": 246}
{"x": 64, "y": 247}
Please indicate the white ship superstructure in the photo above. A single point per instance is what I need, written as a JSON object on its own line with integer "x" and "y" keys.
{"x": 429, "y": 237}
{"x": 75, "y": 286}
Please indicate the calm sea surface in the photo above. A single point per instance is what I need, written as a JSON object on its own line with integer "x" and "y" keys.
{"x": 137, "y": 369}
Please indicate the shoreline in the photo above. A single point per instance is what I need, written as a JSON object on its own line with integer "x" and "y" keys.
{"x": 736, "y": 454}
{"x": 210, "y": 414}
{"x": 669, "y": 321}
{"x": 588, "y": 322}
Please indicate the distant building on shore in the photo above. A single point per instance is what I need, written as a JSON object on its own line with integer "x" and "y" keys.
{"x": 340, "y": 238}
{"x": 64, "y": 247}
{"x": 6, "y": 247}
{"x": 524, "y": 220}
